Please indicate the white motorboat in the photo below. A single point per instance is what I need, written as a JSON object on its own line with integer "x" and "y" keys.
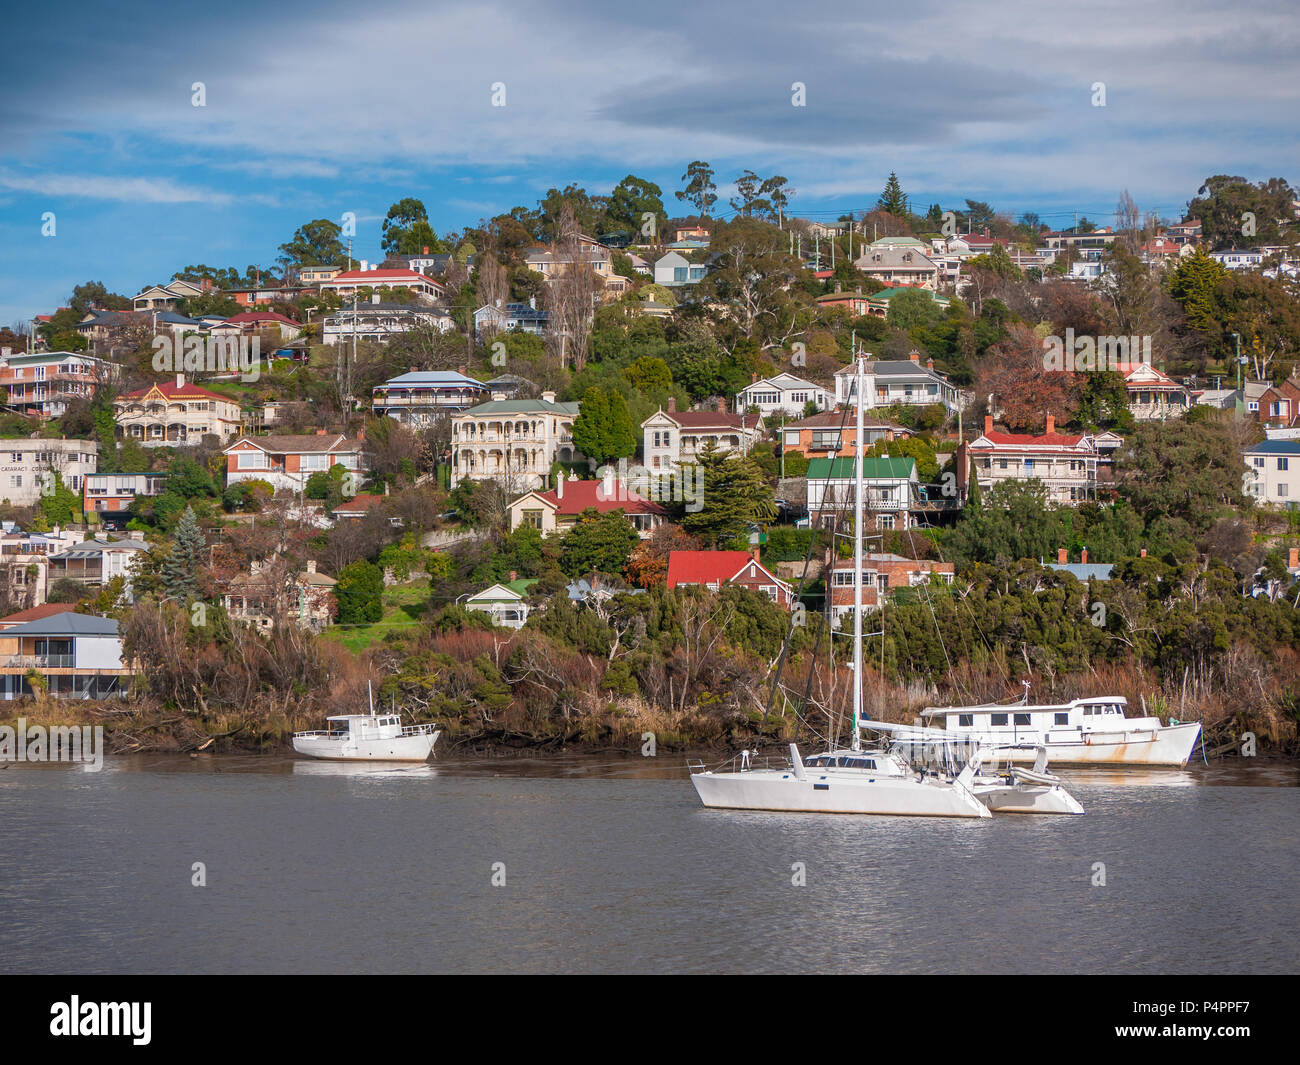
{"x": 1092, "y": 731}
{"x": 368, "y": 737}
{"x": 839, "y": 781}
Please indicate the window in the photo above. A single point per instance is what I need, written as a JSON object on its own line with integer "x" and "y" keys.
{"x": 1029, "y": 464}
{"x": 1022, "y": 719}
{"x": 965, "y": 720}
{"x": 15, "y": 480}
{"x": 1281, "y": 465}
{"x": 533, "y": 519}
{"x": 1259, "y": 463}
{"x": 679, "y": 273}
{"x": 998, "y": 719}
{"x": 252, "y": 460}
{"x": 1281, "y": 490}
{"x": 1063, "y": 719}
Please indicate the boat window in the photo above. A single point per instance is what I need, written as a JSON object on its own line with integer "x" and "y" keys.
{"x": 1063, "y": 719}
{"x": 965, "y": 720}
{"x": 999, "y": 719}
{"x": 1022, "y": 719}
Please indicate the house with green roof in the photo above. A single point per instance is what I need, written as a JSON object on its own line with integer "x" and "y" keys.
{"x": 890, "y": 485}
{"x": 513, "y": 441}
{"x": 504, "y": 603}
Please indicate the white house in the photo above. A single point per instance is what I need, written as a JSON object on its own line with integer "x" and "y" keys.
{"x": 783, "y": 393}
{"x": 79, "y": 656}
{"x": 380, "y": 321}
{"x": 504, "y": 603}
{"x": 671, "y": 437}
{"x": 1274, "y": 472}
{"x": 889, "y": 485}
{"x": 899, "y": 381}
{"x": 1239, "y": 258}
{"x": 513, "y": 440}
{"x": 675, "y": 270}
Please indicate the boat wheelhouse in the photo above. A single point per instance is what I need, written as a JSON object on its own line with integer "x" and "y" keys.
{"x": 368, "y": 737}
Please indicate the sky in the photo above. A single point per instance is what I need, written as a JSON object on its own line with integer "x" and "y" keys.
{"x": 110, "y": 172}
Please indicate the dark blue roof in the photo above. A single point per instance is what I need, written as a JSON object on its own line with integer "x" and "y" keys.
{"x": 1275, "y": 447}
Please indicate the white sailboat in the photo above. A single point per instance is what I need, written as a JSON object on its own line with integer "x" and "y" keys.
{"x": 369, "y": 738}
{"x": 838, "y": 781}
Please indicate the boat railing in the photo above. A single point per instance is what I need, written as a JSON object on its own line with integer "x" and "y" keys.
{"x": 738, "y": 763}
{"x": 418, "y": 730}
{"x": 333, "y": 734}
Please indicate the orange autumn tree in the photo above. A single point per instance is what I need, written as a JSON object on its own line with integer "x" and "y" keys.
{"x": 1024, "y": 392}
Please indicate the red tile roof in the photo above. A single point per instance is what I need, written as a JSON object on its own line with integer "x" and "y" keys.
{"x": 705, "y": 567}
{"x": 1046, "y": 440}
{"x": 248, "y": 317}
{"x": 580, "y": 495}
{"x": 189, "y": 390}
{"x": 358, "y": 504}
{"x": 382, "y": 275}
{"x": 35, "y": 613}
{"x": 712, "y": 419}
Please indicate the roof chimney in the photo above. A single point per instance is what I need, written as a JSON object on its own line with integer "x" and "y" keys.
{"x": 753, "y": 379}
{"x": 1293, "y": 558}
{"x": 988, "y": 423}
{"x": 1143, "y": 552}
{"x": 548, "y": 397}
{"x": 1051, "y": 424}
{"x": 180, "y": 380}
{"x": 365, "y": 265}
{"x": 559, "y": 486}
{"x": 722, "y": 404}
{"x": 755, "y": 551}
{"x": 1062, "y": 557}
{"x": 929, "y": 363}
{"x": 514, "y": 575}
{"x": 672, "y": 404}
{"x": 426, "y": 249}
{"x": 1083, "y": 556}
{"x": 915, "y": 356}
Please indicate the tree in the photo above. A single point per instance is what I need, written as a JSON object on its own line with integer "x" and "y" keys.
{"x": 748, "y": 201}
{"x": 59, "y": 504}
{"x": 359, "y": 593}
{"x": 1192, "y": 285}
{"x": 1229, "y": 208}
{"x": 647, "y": 566}
{"x": 1023, "y": 389}
{"x": 893, "y": 199}
{"x": 599, "y": 543}
{"x": 649, "y": 375}
{"x": 752, "y": 279}
{"x": 571, "y": 295}
{"x": 180, "y": 570}
{"x": 316, "y": 243}
{"x": 734, "y": 495}
{"x": 603, "y": 428}
{"x": 632, "y": 199}
{"x": 699, "y": 188}
{"x": 776, "y": 192}
{"x": 407, "y": 230}
{"x": 914, "y": 307}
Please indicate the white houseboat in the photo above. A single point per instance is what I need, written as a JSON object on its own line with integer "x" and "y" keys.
{"x": 368, "y": 737}
{"x": 1092, "y": 731}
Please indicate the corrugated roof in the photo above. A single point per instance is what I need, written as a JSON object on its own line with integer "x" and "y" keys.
{"x": 883, "y": 468}
{"x": 66, "y": 624}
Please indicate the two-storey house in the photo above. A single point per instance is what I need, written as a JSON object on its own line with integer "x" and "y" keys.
{"x": 174, "y": 413}
{"x": 287, "y": 462}
{"x": 672, "y": 437}
{"x": 515, "y": 441}
{"x": 1065, "y": 464}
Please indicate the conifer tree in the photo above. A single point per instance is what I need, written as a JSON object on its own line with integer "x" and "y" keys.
{"x": 180, "y": 571}
{"x": 892, "y": 199}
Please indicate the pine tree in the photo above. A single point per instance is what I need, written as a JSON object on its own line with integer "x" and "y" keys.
{"x": 892, "y": 199}
{"x": 734, "y": 496}
{"x": 591, "y": 426}
{"x": 180, "y": 571}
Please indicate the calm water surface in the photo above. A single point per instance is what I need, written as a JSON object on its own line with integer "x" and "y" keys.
{"x": 611, "y": 865}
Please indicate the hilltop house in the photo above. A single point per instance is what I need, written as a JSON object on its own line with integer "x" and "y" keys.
{"x": 675, "y": 270}
{"x": 895, "y": 263}
{"x": 43, "y": 384}
{"x": 175, "y": 413}
{"x": 713, "y": 569}
{"x": 783, "y": 393}
{"x": 351, "y": 282}
{"x": 1065, "y": 464}
{"x": 898, "y": 381}
{"x": 516, "y": 440}
{"x": 556, "y": 511}
{"x": 287, "y": 462}
{"x": 503, "y": 318}
{"x": 76, "y": 655}
{"x": 166, "y": 297}
{"x": 257, "y": 597}
{"x": 417, "y": 397}
{"x": 380, "y": 321}
{"x": 96, "y": 562}
{"x": 671, "y": 437}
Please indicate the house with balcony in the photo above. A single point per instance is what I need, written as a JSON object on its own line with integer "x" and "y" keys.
{"x": 287, "y": 462}
{"x": 381, "y": 321}
{"x": 166, "y": 297}
{"x": 672, "y": 437}
{"x": 1065, "y": 464}
{"x": 1152, "y": 394}
{"x": 899, "y": 381}
{"x": 44, "y": 384}
{"x": 250, "y": 322}
{"x": 1273, "y": 472}
{"x": 891, "y": 491}
{"x": 831, "y": 434}
{"x": 110, "y": 495}
{"x": 893, "y": 263}
{"x": 515, "y": 441}
{"x": 96, "y": 562}
{"x": 416, "y": 398}
{"x": 558, "y": 510}
{"x": 351, "y": 282}
{"x": 78, "y": 656}
{"x": 883, "y": 574}
{"x": 782, "y": 394}
{"x": 25, "y": 563}
{"x": 713, "y": 569}
{"x": 175, "y": 413}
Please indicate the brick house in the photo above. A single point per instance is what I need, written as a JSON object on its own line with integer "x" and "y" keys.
{"x": 882, "y": 574}
{"x": 287, "y": 462}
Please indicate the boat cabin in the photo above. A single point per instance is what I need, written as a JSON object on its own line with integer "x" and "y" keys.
{"x": 371, "y": 726}
{"x": 1024, "y": 721}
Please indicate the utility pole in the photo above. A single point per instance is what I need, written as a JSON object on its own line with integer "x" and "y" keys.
{"x": 1238, "y": 336}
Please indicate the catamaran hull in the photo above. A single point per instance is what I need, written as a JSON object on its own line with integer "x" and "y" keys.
{"x": 760, "y": 790}
{"x": 394, "y": 749}
{"x": 1027, "y": 799}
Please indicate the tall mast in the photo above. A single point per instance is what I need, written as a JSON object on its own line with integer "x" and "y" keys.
{"x": 857, "y": 556}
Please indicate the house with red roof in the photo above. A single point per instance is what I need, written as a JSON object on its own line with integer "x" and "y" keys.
{"x": 357, "y": 507}
{"x": 287, "y": 462}
{"x": 671, "y": 437}
{"x": 1065, "y": 464}
{"x": 1152, "y": 394}
{"x": 559, "y": 509}
{"x": 348, "y": 283}
{"x": 713, "y": 569}
{"x": 171, "y": 413}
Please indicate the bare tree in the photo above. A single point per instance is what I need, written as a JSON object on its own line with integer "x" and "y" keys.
{"x": 572, "y": 291}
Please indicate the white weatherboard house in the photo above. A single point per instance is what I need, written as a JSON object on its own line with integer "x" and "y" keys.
{"x": 783, "y": 393}
{"x": 899, "y": 381}
{"x": 512, "y": 440}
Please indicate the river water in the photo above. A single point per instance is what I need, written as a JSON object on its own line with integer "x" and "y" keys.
{"x": 611, "y": 865}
